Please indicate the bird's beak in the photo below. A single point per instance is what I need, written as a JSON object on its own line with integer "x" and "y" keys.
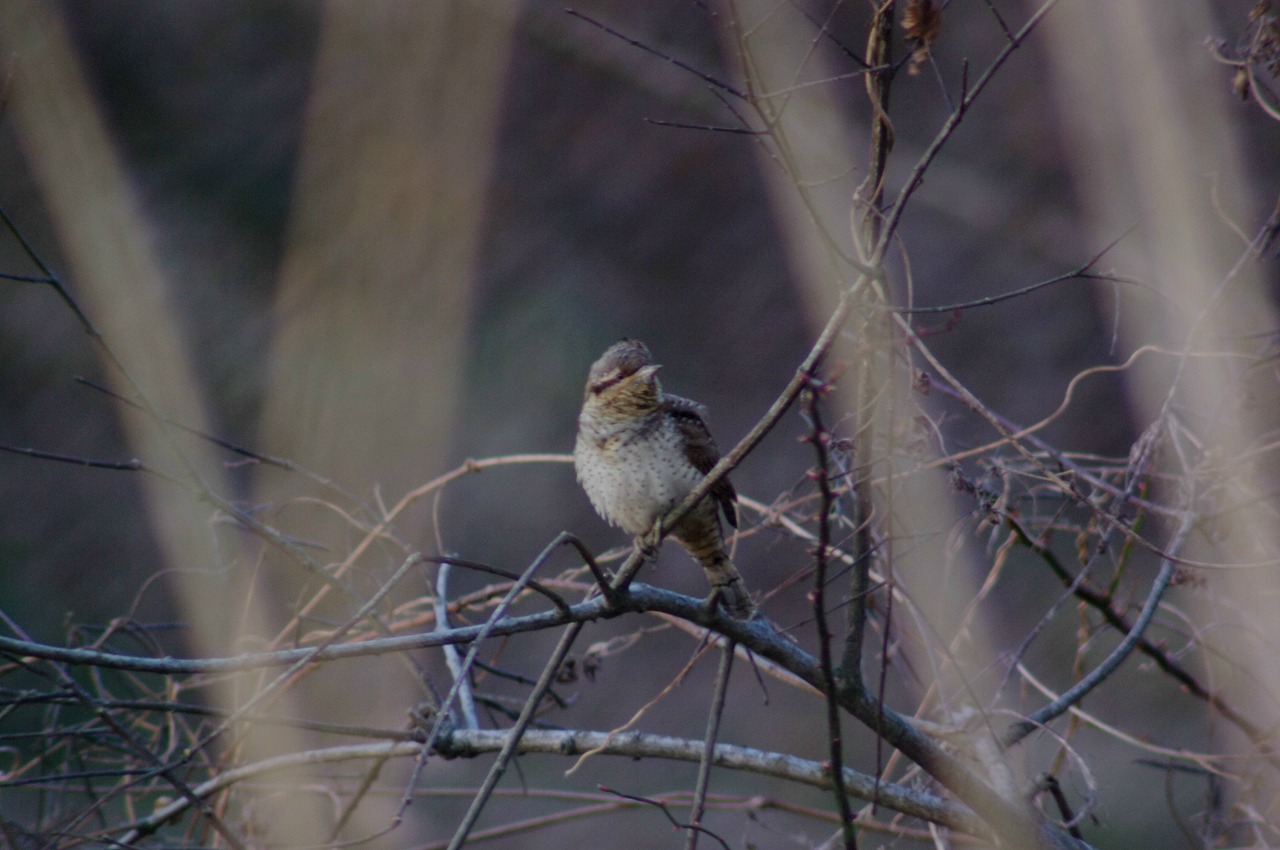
{"x": 647, "y": 372}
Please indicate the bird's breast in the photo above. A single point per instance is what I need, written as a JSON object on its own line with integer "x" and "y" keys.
{"x": 633, "y": 475}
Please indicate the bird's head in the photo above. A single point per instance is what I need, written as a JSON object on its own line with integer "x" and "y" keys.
{"x": 624, "y": 380}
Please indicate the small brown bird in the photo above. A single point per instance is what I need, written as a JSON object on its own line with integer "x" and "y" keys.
{"x": 640, "y": 452}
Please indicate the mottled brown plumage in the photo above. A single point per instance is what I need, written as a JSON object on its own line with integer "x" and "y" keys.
{"x": 640, "y": 452}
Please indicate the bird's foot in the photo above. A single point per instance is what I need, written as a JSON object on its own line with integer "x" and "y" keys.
{"x": 648, "y": 544}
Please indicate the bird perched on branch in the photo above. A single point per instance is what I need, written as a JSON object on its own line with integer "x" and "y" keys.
{"x": 640, "y": 452}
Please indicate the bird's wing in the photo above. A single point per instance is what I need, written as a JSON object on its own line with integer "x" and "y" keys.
{"x": 701, "y": 449}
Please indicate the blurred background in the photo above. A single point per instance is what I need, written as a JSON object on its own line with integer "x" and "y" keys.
{"x": 379, "y": 239}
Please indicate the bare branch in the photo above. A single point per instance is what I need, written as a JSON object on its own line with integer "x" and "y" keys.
{"x": 460, "y": 743}
{"x": 709, "y": 745}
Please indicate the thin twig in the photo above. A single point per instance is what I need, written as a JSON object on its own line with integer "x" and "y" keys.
{"x": 555, "y": 598}
{"x": 1080, "y": 272}
{"x": 709, "y": 128}
{"x": 515, "y": 734}
{"x": 705, "y": 77}
{"x": 132, "y": 465}
{"x": 159, "y": 767}
{"x": 703, "y": 782}
{"x": 54, "y": 282}
{"x": 692, "y": 828}
{"x": 443, "y": 712}
{"x": 602, "y": 580}
{"x": 1103, "y": 671}
{"x": 967, "y": 97}
{"x": 279, "y": 462}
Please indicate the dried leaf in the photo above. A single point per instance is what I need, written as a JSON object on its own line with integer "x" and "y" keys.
{"x": 1240, "y": 82}
{"x": 921, "y": 23}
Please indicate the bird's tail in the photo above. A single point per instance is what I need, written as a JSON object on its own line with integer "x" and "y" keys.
{"x": 724, "y": 578}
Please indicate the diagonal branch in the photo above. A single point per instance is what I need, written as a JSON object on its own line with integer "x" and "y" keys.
{"x": 515, "y": 735}
{"x": 1103, "y": 671}
{"x": 748, "y": 443}
{"x": 967, "y": 97}
{"x": 709, "y": 746}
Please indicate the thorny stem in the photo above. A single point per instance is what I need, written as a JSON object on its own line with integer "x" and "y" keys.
{"x": 835, "y": 738}
{"x": 860, "y": 568}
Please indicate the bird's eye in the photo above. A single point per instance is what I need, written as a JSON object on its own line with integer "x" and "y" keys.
{"x": 607, "y": 381}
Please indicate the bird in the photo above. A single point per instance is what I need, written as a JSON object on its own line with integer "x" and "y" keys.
{"x": 639, "y": 452}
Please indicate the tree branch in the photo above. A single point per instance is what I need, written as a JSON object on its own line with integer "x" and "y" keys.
{"x": 462, "y": 743}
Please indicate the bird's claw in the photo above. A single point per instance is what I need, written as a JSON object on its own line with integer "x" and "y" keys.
{"x": 648, "y": 544}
